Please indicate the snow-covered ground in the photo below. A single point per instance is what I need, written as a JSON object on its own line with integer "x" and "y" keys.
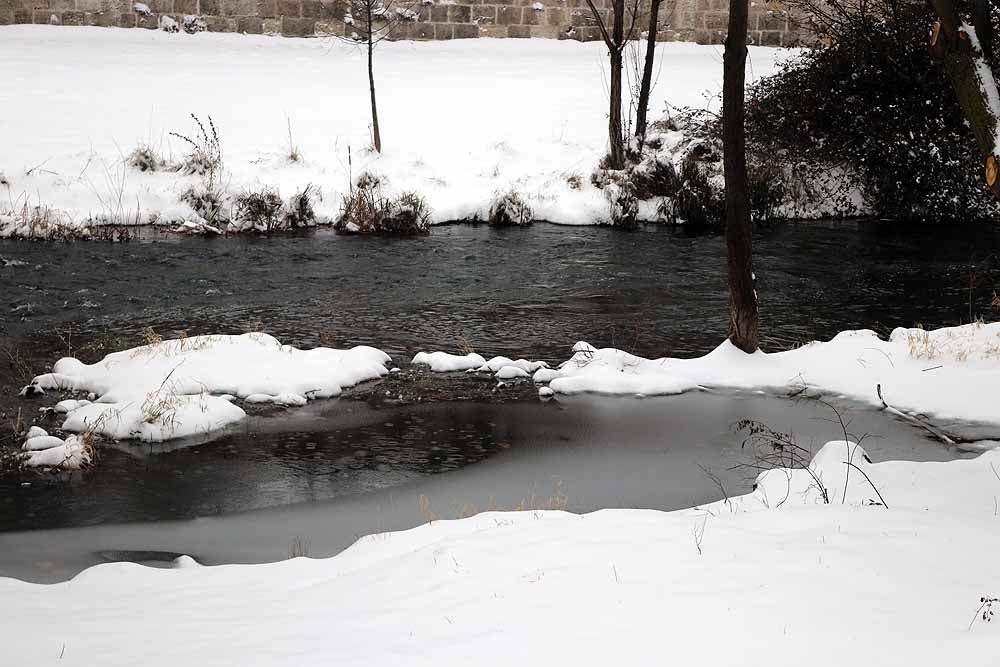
{"x": 757, "y": 581}
{"x": 461, "y": 121}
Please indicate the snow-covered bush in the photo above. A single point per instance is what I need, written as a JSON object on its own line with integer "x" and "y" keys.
{"x": 258, "y": 210}
{"x": 509, "y": 209}
{"x": 193, "y": 24}
{"x": 205, "y": 155}
{"x": 167, "y": 24}
{"x": 367, "y": 210}
{"x": 208, "y": 201}
{"x": 300, "y": 211}
{"x": 623, "y": 205}
{"x": 872, "y": 102}
{"x": 144, "y": 158}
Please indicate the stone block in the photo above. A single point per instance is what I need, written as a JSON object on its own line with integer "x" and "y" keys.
{"x": 546, "y": 31}
{"x": 298, "y": 27}
{"x": 210, "y": 7}
{"x": 6, "y": 16}
{"x": 443, "y": 31}
{"x": 22, "y": 16}
{"x": 439, "y": 14}
{"x": 492, "y": 31}
{"x": 126, "y": 20}
{"x": 272, "y": 26}
{"x": 519, "y": 31}
{"x": 508, "y": 15}
{"x": 161, "y": 6}
{"x": 484, "y": 14}
{"x": 186, "y": 7}
{"x": 466, "y": 31}
{"x": 312, "y": 9}
{"x": 239, "y": 7}
{"x": 289, "y": 8}
{"x": 220, "y": 24}
{"x": 101, "y": 19}
{"x": 422, "y": 31}
{"x": 251, "y": 25}
{"x": 532, "y": 16}
{"x": 459, "y": 14}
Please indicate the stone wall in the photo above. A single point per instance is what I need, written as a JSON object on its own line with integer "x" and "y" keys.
{"x": 703, "y": 21}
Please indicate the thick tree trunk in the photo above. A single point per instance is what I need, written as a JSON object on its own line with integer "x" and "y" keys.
{"x": 647, "y": 72}
{"x": 961, "y": 53}
{"x": 616, "y": 148}
{"x": 739, "y": 241}
{"x": 376, "y": 136}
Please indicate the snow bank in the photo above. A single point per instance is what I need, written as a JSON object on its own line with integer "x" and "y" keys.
{"x": 172, "y": 388}
{"x": 950, "y": 374}
{"x": 48, "y": 451}
{"x": 444, "y": 362}
{"x": 804, "y": 583}
{"x": 138, "y": 88}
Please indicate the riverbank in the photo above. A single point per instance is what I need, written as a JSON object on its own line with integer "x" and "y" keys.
{"x": 542, "y": 133}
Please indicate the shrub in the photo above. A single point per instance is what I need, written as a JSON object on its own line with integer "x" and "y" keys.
{"x": 509, "y": 209}
{"x": 300, "y": 212}
{"x": 205, "y": 156}
{"x": 193, "y": 24}
{"x": 623, "y": 206}
{"x": 260, "y": 210}
{"x": 872, "y": 105}
{"x": 144, "y": 158}
{"x": 208, "y": 201}
{"x": 367, "y": 210}
{"x": 695, "y": 200}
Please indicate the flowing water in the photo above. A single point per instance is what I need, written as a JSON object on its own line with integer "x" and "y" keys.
{"x": 334, "y": 470}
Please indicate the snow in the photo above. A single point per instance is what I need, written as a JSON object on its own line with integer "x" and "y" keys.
{"x": 139, "y": 84}
{"x": 743, "y": 582}
{"x": 171, "y": 388}
{"x": 511, "y": 373}
{"x": 47, "y": 451}
{"x": 496, "y": 363}
{"x": 950, "y": 374}
{"x": 444, "y": 362}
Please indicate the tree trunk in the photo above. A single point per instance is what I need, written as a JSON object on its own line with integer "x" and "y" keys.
{"x": 962, "y": 56}
{"x": 647, "y": 72}
{"x": 739, "y": 241}
{"x": 616, "y": 148}
{"x": 376, "y": 136}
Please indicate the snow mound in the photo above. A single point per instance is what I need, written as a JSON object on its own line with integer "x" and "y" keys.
{"x": 949, "y": 374}
{"x": 47, "y": 451}
{"x": 511, "y": 373}
{"x": 443, "y": 362}
{"x": 496, "y": 363}
{"x": 170, "y": 389}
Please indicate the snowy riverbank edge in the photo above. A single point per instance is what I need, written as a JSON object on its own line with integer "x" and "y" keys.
{"x": 782, "y": 577}
{"x": 541, "y": 133}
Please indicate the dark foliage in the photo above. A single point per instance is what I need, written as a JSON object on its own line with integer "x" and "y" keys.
{"x": 873, "y": 103}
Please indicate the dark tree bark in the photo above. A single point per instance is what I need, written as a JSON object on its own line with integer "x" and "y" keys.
{"x": 647, "y": 72}
{"x": 967, "y": 67}
{"x": 739, "y": 240}
{"x": 376, "y": 136}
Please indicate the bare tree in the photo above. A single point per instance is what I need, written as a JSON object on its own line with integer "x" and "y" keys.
{"x": 739, "y": 240}
{"x": 616, "y": 39}
{"x": 369, "y": 22}
{"x": 964, "y": 51}
{"x": 647, "y": 72}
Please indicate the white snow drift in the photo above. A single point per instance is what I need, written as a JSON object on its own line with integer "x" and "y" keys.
{"x": 950, "y": 374}
{"x": 180, "y": 387}
{"x": 48, "y": 451}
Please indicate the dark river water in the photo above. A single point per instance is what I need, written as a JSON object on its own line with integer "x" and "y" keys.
{"x": 335, "y": 470}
